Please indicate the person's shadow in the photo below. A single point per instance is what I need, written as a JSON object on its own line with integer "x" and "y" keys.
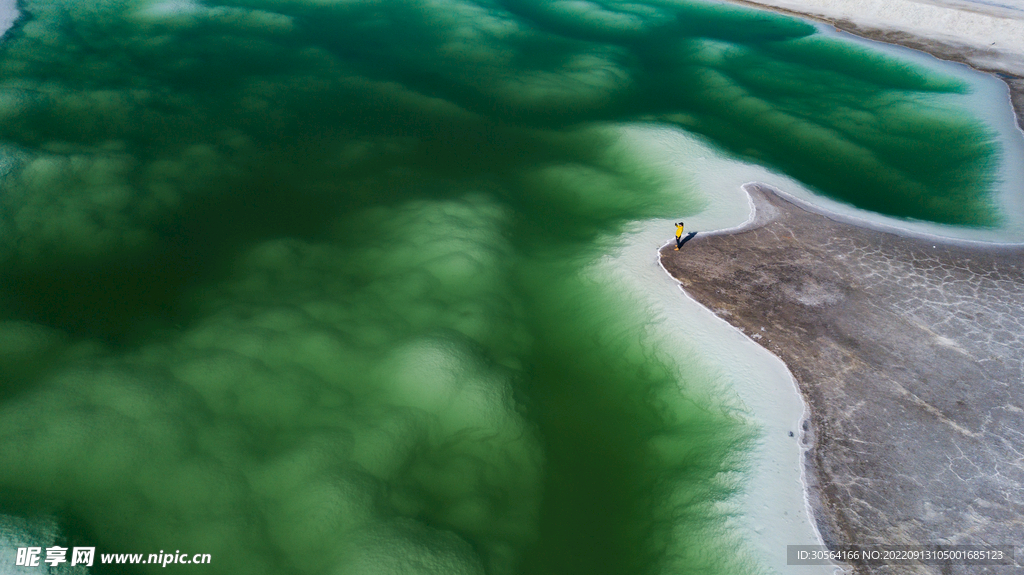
{"x": 688, "y": 237}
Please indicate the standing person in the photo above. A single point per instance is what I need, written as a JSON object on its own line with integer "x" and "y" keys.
{"x": 680, "y": 240}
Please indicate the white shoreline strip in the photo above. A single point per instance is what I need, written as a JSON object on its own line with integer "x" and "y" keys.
{"x": 804, "y": 440}
{"x": 990, "y": 40}
{"x": 761, "y": 214}
{"x": 875, "y": 225}
{"x": 758, "y": 218}
{"x": 725, "y": 231}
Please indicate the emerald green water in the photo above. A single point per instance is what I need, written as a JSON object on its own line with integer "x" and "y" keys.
{"x": 306, "y": 285}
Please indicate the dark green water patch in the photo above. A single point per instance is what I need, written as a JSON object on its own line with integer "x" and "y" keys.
{"x": 855, "y": 125}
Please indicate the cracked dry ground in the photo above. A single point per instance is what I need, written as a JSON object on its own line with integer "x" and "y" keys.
{"x": 909, "y": 353}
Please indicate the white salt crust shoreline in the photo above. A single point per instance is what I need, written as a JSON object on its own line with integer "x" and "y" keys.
{"x": 991, "y": 34}
{"x": 875, "y": 225}
{"x": 773, "y": 511}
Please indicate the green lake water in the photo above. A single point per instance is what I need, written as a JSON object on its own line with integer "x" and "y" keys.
{"x": 300, "y": 283}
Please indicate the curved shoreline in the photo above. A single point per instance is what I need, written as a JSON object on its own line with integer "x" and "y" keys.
{"x": 876, "y": 225}
{"x": 984, "y": 59}
{"x": 885, "y": 335}
{"x": 805, "y": 438}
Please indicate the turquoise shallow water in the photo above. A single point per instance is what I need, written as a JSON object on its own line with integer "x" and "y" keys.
{"x": 301, "y": 284}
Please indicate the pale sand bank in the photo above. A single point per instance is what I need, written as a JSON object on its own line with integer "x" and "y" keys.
{"x": 990, "y": 35}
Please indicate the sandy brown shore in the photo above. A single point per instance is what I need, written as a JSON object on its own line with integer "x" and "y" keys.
{"x": 910, "y": 354}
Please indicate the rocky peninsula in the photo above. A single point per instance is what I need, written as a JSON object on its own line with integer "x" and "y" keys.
{"x": 909, "y": 352}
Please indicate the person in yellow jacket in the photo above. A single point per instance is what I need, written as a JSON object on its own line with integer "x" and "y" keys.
{"x": 680, "y": 240}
